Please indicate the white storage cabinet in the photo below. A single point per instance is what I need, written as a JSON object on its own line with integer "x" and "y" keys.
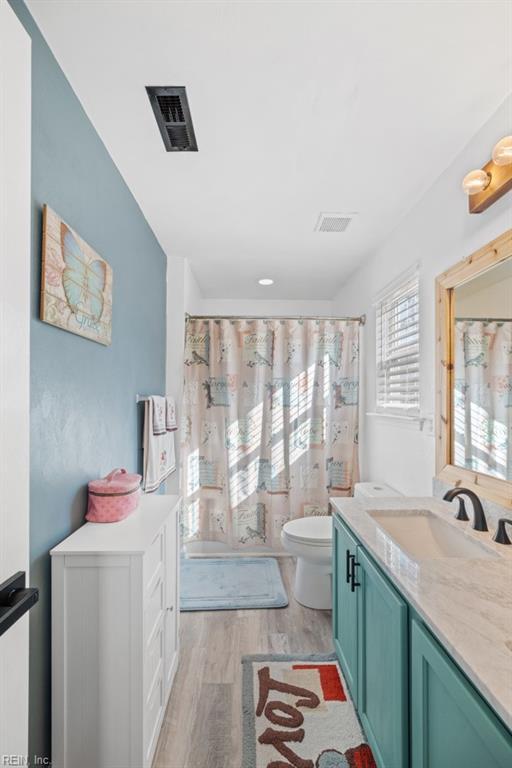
{"x": 115, "y": 610}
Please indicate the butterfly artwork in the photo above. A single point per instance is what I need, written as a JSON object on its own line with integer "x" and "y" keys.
{"x": 76, "y": 283}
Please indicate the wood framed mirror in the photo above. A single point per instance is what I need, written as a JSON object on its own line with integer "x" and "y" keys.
{"x": 474, "y": 372}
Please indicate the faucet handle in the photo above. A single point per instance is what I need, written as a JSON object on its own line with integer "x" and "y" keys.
{"x": 501, "y": 535}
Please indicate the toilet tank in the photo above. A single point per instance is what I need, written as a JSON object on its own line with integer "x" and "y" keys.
{"x": 374, "y": 491}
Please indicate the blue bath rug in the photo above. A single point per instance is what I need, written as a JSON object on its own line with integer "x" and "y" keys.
{"x": 230, "y": 584}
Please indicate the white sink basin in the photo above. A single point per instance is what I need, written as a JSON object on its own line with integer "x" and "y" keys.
{"x": 425, "y": 536}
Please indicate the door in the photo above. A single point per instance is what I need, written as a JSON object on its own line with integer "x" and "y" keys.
{"x": 15, "y": 137}
{"x": 382, "y": 698}
{"x": 450, "y": 724}
{"x": 344, "y": 617}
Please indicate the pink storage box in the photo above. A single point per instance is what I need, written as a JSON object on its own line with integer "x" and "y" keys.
{"x": 114, "y": 497}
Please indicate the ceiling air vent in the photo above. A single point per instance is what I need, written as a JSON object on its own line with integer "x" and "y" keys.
{"x": 170, "y": 105}
{"x": 333, "y": 222}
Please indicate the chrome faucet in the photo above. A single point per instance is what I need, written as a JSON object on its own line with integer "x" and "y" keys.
{"x": 479, "y": 521}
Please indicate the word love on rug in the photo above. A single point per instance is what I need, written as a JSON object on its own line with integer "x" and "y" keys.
{"x": 298, "y": 714}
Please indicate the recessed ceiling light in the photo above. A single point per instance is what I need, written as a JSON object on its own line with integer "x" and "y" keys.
{"x": 266, "y": 281}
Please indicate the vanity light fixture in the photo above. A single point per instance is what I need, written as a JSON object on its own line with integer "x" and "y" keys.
{"x": 486, "y": 185}
{"x": 502, "y": 152}
{"x": 475, "y": 181}
{"x": 266, "y": 281}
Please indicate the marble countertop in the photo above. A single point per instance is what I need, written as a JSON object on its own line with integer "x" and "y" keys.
{"x": 466, "y": 603}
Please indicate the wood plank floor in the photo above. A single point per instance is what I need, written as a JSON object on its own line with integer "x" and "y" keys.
{"x": 203, "y": 723}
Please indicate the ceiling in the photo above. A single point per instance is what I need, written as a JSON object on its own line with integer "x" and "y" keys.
{"x": 298, "y": 108}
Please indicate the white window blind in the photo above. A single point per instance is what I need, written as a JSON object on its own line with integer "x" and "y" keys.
{"x": 398, "y": 349}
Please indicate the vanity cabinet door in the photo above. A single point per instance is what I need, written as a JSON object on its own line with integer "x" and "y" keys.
{"x": 382, "y": 699}
{"x": 344, "y": 615}
{"x": 450, "y": 724}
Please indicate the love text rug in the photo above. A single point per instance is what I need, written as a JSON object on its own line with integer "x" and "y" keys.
{"x": 297, "y": 712}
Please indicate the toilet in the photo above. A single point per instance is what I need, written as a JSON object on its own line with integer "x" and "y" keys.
{"x": 309, "y": 539}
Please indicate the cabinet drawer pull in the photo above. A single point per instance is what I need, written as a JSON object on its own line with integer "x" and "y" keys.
{"x": 353, "y": 582}
{"x": 348, "y": 566}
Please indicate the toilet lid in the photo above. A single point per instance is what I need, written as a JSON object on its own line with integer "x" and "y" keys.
{"x": 317, "y": 529}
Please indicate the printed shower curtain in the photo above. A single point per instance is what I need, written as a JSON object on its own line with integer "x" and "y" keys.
{"x": 270, "y": 419}
{"x": 483, "y": 396}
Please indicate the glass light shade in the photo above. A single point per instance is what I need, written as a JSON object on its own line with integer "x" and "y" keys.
{"x": 502, "y": 152}
{"x": 475, "y": 182}
{"x": 266, "y": 281}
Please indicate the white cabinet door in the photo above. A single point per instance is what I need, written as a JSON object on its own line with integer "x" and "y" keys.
{"x": 15, "y": 145}
{"x": 171, "y": 600}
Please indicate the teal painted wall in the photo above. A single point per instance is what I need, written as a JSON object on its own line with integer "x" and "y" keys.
{"x": 83, "y": 413}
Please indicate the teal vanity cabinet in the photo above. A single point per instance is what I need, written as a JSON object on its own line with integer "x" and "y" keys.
{"x": 382, "y": 675}
{"x": 451, "y": 725}
{"x": 344, "y": 617}
{"x": 418, "y": 710}
{"x": 370, "y": 639}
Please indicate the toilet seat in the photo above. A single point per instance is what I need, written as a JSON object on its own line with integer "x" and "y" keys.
{"x": 315, "y": 530}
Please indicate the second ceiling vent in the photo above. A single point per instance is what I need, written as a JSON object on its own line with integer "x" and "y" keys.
{"x": 170, "y": 105}
{"x": 333, "y": 222}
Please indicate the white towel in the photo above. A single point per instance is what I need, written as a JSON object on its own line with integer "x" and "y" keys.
{"x": 171, "y": 422}
{"x": 159, "y": 414}
{"x": 159, "y": 456}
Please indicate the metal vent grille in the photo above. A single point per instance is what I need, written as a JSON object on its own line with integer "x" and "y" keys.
{"x": 171, "y": 108}
{"x": 333, "y": 222}
{"x": 170, "y": 105}
{"x": 178, "y": 136}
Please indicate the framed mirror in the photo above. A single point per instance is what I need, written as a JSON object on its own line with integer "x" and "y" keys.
{"x": 474, "y": 372}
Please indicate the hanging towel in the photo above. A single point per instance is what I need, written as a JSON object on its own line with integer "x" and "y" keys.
{"x": 159, "y": 414}
{"x": 159, "y": 456}
{"x": 171, "y": 422}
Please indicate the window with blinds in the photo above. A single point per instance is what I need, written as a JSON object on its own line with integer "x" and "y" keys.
{"x": 398, "y": 349}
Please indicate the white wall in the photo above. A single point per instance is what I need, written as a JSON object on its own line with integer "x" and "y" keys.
{"x": 176, "y": 281}
{"x": 436, "y": 233}
{"x": 264, "y": 307}
{"x": 193, "y": 295}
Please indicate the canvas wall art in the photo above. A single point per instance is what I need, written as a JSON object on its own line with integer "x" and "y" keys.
{"x": 76, "y": 283}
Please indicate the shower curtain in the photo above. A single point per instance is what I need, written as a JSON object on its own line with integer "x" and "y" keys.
{"x": 483, "y": 396}
{"x": 270, "y": 419}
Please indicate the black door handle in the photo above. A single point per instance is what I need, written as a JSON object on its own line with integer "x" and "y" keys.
{"x": 353, "y": 582}
{"x": 15, "y": 600}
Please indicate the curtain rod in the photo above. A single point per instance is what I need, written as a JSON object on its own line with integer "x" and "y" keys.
{"x": 361, "y": 319}
{"x": 483, "y": 319}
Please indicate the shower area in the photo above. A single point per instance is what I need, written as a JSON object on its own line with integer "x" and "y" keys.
{"x": 269, "y": 427}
